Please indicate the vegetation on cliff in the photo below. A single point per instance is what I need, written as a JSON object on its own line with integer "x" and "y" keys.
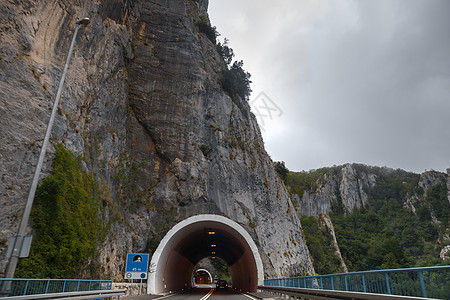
{"x": 235, "y": 81}
{"x": 319, "y": 241}
{"x": 386, "y": 235}
{"x": 223, "y": 272}
{"x": 299, "y": 182}
{"x": 206, "y": 28}
{"x": 67, "y": 221}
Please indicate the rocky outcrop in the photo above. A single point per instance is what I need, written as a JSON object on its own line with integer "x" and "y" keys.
{"x": 143, "y": 107}
{"x": 428, "y": 179}
{"x": 324, "y": 220}
{"x": 354, "y": 187}
{"x": 445, "y": 253}
{"x": 319, "y": 202}
{"x": 346, "y": 185}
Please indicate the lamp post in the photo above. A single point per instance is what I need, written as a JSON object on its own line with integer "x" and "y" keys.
{"x": 18, "y": 241}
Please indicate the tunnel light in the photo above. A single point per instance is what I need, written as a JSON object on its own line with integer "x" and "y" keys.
{"x": 213, "y": 252}
{"x": 211, "y": 232}
{"x": 213, "y": 245}
{"x": 213, "y": 257}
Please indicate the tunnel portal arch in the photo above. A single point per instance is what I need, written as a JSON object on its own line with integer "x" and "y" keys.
{"x": 211, "y": 279}
{"x": 198, "y": 237}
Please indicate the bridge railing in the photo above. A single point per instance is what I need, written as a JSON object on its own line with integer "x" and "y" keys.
{"x": 432, "y": 282}
{"x": 10, "y": 287}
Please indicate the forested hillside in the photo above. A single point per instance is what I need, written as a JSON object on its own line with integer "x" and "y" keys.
{"x": 398, "y": 219}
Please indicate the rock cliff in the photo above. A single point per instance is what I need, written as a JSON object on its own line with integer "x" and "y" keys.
{"x": 346, "y": 185}
{"x": 142, "y": 105}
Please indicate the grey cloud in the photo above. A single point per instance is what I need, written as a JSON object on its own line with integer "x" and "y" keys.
{"x": 359, "y": 81}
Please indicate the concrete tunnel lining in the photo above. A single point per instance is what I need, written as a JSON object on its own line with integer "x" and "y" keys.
{"x": 188, "y": 242}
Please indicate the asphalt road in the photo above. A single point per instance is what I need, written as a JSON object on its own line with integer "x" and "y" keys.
{"x": 200, "y": 293}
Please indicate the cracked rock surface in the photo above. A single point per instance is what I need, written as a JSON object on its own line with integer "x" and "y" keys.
{"x": 142, "y": 105}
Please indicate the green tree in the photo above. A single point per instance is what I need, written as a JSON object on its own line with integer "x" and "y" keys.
{"x": 222, "y": 268}
{"x": 437, "y": 197}
{"x": 225, "y": 51}
{"x": 235, "y": 81}
{"x": 281, "y": 170}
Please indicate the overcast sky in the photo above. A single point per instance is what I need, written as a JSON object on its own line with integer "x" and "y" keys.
{"x": 346, "y": 81}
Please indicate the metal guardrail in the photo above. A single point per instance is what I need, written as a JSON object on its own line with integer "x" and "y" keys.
{"x": 328, "y": 294}
{"x": 425, "y": 282}
{"x": 11, "y": 287}
{"x": 101, "y": 294}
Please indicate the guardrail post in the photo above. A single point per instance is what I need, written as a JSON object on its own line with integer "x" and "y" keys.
{"x": 26, "y": 287}
{"x": 388, "y": 287}
{"x": 346, "y": 284}
{"x": 46, "y": 288}
{"x": 364, "y": 283}
{"x": 422, "y": 284}
{"x": 332, "y": 282}
{"x": 64, "y": 286}
{"x": 78, "y": 285}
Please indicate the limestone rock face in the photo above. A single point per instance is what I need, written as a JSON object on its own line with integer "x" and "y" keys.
{"x": 142, "y": 105}
{"x": 344, "y": 184}
{"x": 429, "y": 179}
{"x": 353, "y": 188}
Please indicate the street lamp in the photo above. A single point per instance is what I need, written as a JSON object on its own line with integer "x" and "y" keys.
{"x": 18, "y": 241}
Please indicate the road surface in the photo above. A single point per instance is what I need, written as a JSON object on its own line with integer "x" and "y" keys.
{"x": 199, "y": 293}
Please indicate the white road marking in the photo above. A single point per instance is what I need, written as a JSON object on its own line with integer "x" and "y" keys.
{"x": 207, "y": 295}
{"x": 253, "y": 298}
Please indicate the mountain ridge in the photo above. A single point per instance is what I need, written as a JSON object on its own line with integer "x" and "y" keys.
{"x": 356, "y": 192}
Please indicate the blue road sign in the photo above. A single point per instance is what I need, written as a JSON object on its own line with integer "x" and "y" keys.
{"x": 137, "y": 266}
{"x": 137, "y": 262}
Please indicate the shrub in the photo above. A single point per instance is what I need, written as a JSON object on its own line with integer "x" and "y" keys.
{"x": 235, "y": 81}
{"x": 281, "y": 169}
{"x": 225, "y": 52}
{"x": 204, "y": 27}
{"x": 66, "y": 219}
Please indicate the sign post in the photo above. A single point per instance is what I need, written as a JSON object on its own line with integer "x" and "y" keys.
{"x": 137, "y": 267}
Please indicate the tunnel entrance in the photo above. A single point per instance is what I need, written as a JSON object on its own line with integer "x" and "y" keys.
{"x": 198, "y": 237}
{"x": 202, "y": 276}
